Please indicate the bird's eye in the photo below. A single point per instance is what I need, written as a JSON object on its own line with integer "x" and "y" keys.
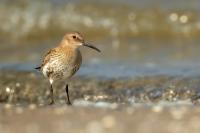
{"x": 74, "y": 37}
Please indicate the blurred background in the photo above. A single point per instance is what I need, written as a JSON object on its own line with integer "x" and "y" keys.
{"x": 137, "y": 37}
{"x": 145, "y": 80}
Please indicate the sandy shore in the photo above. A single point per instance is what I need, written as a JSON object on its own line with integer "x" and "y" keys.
{"x": 62, "y": 119}
{"x": 144, "y": 104}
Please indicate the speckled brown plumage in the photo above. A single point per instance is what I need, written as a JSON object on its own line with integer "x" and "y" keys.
{"x": 63, "y": 61}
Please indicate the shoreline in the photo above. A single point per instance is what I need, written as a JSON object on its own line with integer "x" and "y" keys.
{"x": 28, "y": 87}
{"x": 168, "y": 104}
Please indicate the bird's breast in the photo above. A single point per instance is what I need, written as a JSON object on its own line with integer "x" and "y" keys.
{"x": 73, "y": 64}
{"x": 63, "y": 65}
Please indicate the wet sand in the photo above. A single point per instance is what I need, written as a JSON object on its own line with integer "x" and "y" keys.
{"x": 19, "y": 87}
{"x": 62, "y": 119}
{"x": 149, "y": 104}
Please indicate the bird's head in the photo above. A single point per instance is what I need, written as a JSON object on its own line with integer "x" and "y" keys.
{"x": 75, "y": 39}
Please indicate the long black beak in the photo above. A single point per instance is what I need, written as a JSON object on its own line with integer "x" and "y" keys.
{"x": 93, "y": 47}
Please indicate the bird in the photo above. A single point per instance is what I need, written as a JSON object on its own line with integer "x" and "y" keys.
{"x": 63, "y": 61}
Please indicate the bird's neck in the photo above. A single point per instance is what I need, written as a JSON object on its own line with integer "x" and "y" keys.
{"x": 68, "y": 47}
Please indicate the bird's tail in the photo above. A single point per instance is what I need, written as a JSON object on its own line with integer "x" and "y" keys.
{"x": 38, "y": 68}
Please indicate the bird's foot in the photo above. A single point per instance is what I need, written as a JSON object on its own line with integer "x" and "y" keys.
{"x": 68, "y": 103}
{"x": 52, "y": 102}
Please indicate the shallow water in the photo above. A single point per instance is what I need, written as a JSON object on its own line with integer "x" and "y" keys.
{"x": 140, "y": 39}
{"x": 137, "y": 40}
{"x": 36, "y": 20}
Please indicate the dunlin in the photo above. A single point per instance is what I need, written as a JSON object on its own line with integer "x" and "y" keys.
{"x": 63, "y": 61}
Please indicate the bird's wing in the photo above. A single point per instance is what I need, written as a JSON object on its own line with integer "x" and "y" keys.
{"x": 48, "y": 56}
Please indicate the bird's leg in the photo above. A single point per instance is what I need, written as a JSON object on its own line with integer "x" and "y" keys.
{"x": 67, "y": 91}
{"x": 51, "y": 95}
